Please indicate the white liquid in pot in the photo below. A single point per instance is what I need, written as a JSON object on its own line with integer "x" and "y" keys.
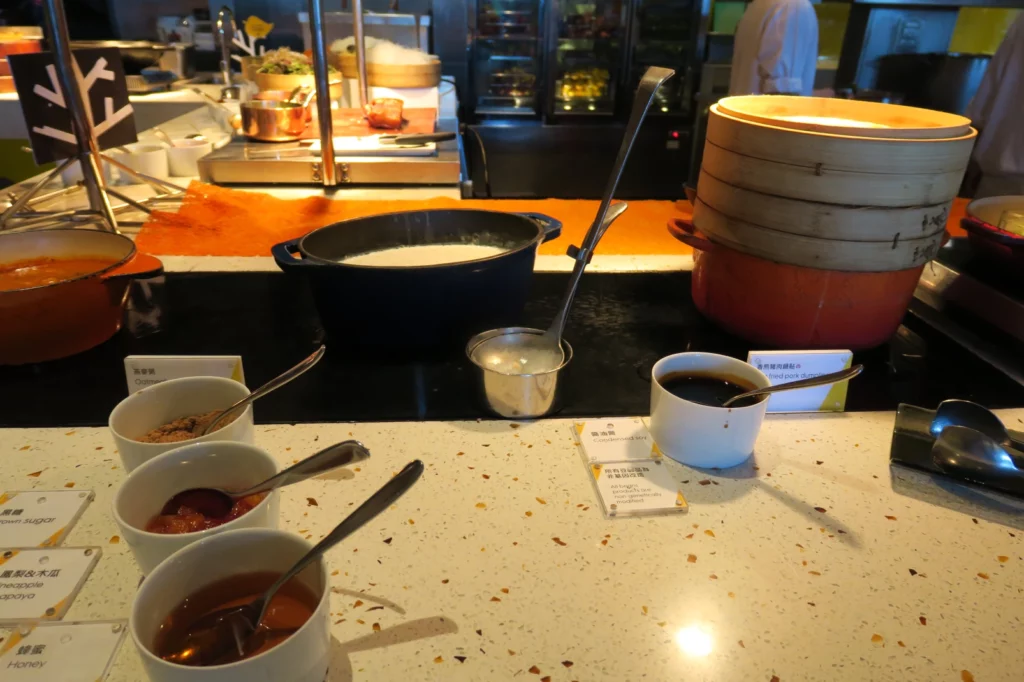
{"x": 423, "y": 254}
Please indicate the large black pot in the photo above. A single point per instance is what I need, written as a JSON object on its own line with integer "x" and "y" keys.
{"x": 427, "y": 307}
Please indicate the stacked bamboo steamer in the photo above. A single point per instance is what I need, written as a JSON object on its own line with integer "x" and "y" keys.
{"x": 830, "y": 184}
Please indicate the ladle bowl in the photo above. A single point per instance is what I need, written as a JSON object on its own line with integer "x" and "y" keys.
{"x": 516, "y": 395}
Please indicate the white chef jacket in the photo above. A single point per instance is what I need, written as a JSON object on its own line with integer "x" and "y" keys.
{"x": 998, "y": 111}
{"x": 776, "y": 49}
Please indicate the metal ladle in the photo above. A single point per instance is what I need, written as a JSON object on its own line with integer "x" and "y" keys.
{"x": 523, "y": 353}
{"x": 527, "y": 352}
{"x": 269, "y": 387}
{"x": 833, "y": 378}
{"x": 216, "y": 503}
{"x": 213, "y": 637}
{"x": 970, "y": 453}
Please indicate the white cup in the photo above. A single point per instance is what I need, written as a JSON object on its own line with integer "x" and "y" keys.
{"x": 159, "y": 404}
{"x": 700, "y": 435}
{"x": 149, "y": 159}
{"x": 184, "y": 154}
{"x": 210, "y": 464}
{"x": 303, "y": 657}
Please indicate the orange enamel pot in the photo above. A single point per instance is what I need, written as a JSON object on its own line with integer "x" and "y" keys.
{"x": 793, "y": 307}
{"x": 72, "y": 315}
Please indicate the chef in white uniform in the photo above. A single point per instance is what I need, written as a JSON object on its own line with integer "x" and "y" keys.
{"x": 997, "y": 111}
{"x": 776, "y": 49}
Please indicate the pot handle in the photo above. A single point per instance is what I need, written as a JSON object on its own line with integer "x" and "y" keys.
{"x": 992, "y": 232}
{"x": 684, "y": 231}
{"x": 139, "y": 266}
{"x": 552, "y": 227}
{"x": 285, "y": 252}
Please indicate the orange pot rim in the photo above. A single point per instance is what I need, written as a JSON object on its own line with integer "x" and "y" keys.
{"x": 126, "y": 267}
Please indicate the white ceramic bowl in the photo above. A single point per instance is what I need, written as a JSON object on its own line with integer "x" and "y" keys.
{"x": 699, "y": 435}
{"x": 147, "y": 158}
{"x": 215, "y": 464}
{"x": 183, "y": 156}
{"x": 159, "y": 404}
{"x": 303, "y": 657}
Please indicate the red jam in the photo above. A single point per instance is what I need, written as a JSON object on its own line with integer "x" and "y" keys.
{"x": 189, "y": 520}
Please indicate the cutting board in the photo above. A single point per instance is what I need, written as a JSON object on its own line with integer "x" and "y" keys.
{"x": 352, "y": 123}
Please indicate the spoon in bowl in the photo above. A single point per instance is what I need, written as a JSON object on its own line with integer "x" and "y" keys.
{"x": 834, "y": 377}
{"x": 213, "y": 637}
{"x": 215, "y": 503}
{"x": 269, "y": 387}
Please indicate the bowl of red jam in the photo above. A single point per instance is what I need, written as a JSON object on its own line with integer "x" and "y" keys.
{"x": 154, "y": 529}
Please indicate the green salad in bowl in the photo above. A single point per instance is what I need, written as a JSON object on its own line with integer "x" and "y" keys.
{"x": 287, "y": 62}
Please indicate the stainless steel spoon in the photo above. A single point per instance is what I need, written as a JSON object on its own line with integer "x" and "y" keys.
{"x": 970, "y": 453}
{"x": 269, "y": 387}
{"x": 216, "y": 503}
{"x": 213, "y": 636}
{"x": 974, "y": 416}
{"x": 834, "y": 377}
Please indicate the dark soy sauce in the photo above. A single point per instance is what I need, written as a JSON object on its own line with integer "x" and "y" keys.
{"x": 708, "y": 389}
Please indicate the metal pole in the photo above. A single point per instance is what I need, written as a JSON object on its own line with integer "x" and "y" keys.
{"x": 360, "y": 36}
{"x": 323, "y": 93}
{"x": 81, "y": 121}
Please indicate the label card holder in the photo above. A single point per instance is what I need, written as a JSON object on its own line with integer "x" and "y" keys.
{"x": 69, "y": 652}
{"x": 784, "y": 366}
{"x": 40, "y": 584}
{"x": 40, "y": 518}
{"x": 615, "y": 440}
{"x": 637, "y": 488}
{"x": 147, "y": 370}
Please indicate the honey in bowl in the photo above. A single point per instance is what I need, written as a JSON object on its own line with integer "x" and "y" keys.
{"x": 178, "y": 640}
{"x": 707, "y": 389}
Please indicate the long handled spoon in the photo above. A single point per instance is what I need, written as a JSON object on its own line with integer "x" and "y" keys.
{"x": 834, "y": 377}
{"x": 269, "y": 387}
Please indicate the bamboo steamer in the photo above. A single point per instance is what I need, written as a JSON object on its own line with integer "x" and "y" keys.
{"x": 825, "y": 153}
{"x": 391, "y": 75}
{"x": 821, "y": 220}
{"x": 807, "y": 183}
{"x": 815, "y": 252}
{"x": 846, "y": 117}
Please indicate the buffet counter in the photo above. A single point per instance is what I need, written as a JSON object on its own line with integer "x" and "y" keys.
{"x": 813, "y": 561}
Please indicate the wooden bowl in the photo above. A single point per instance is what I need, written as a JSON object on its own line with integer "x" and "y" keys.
{"x": 391, "y": 75}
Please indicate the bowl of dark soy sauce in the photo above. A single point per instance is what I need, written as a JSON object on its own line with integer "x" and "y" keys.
{"x": 688, "y": 420}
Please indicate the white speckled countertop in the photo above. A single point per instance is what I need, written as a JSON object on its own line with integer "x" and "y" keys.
{"x": 815, "y": 564}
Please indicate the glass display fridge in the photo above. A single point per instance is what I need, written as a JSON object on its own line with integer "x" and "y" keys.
{"x": 566, "y": 59}
{"x": 668, "y": 33}
{"x": 507, "y": 57}
{"x": 585, "y": 54}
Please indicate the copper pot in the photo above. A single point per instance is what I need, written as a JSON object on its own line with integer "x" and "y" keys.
{"x": 273, "y": 121}
{"x": 72, "y": 315}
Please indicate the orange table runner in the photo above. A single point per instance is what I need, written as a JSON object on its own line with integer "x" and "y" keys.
{"x": 218, "y": 221}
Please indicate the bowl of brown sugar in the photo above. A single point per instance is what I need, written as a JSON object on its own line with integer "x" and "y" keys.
{"x": 174, "y": 413}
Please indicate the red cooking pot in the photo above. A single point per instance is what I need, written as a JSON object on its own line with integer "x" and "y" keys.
{"x": 46, "y": 321}
{"x": 794, "y": 307}
{"x": 1003, "y": 249}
